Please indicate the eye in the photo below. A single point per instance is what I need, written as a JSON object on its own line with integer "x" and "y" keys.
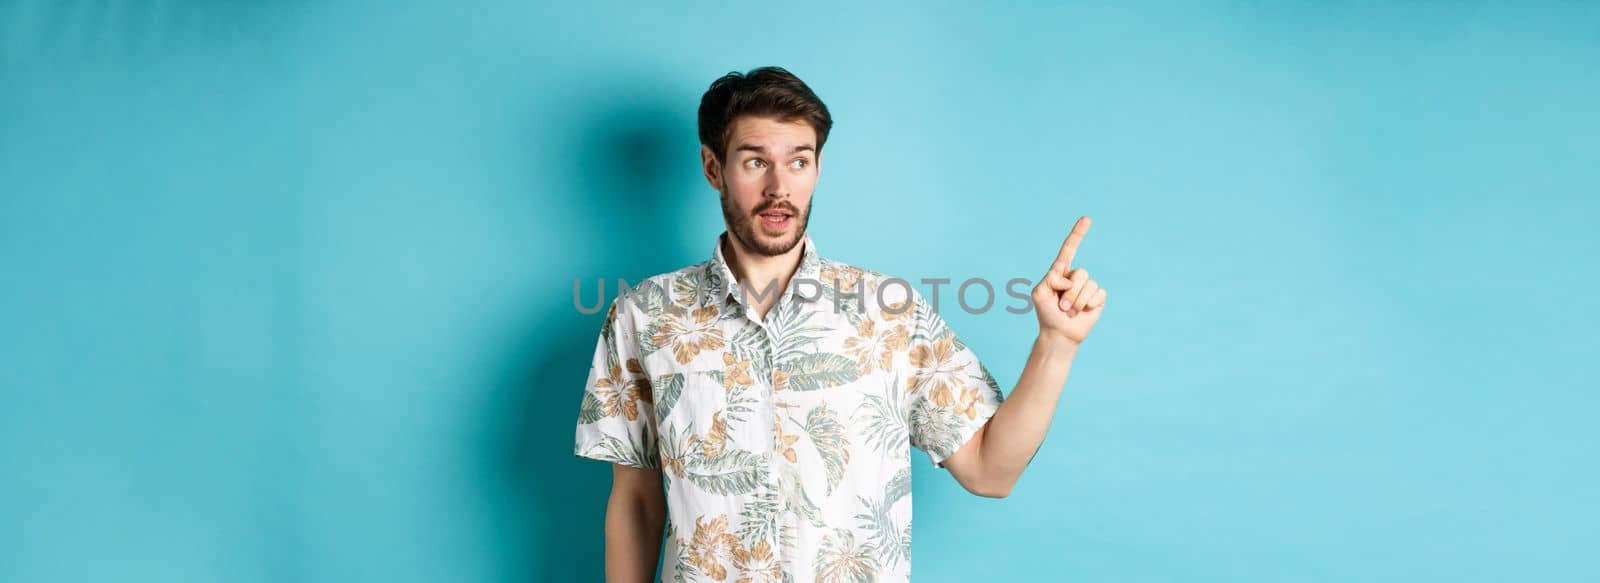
{"x": 799, "y": 163}
{"x": 755, "y": 163}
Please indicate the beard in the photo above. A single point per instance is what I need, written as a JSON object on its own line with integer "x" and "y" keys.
{"x": 743, "y": 226}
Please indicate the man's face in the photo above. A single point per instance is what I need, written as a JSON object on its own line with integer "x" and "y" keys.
{"x": 766, "y": 182}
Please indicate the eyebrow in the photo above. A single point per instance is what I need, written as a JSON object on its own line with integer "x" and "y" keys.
{"x": 763, "y": 149}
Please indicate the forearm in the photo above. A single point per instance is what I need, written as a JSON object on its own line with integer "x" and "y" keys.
{"x": 1013, "y": 435}
{"x": 633, "y": 537}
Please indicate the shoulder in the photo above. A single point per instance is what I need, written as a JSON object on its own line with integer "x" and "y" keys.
{"x": 683, "y": 287}
{"x": 884, "y": 295}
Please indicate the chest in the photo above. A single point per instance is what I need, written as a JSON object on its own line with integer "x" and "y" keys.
{"x": 721, "y": 379}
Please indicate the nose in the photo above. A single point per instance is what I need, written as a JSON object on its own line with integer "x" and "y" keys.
{"x": 777, "y": 185}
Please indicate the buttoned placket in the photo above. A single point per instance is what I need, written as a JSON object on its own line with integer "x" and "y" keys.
{"x": 731, "y": 295}
{"x": 772, "y": 486}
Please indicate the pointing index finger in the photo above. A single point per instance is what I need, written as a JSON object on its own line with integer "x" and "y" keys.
{"x": 1069, "y": 248}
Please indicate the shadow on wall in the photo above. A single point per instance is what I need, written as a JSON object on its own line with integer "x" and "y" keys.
{"x": 549, "y": 505}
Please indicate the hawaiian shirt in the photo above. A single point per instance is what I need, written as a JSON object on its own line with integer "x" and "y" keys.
{"x": 783, "y": 440}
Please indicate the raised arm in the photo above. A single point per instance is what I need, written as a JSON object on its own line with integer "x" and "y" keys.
{"x": 1068, "y": 305}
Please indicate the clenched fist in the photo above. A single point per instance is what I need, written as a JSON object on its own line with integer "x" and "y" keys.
{"x": 1068, "y": 302}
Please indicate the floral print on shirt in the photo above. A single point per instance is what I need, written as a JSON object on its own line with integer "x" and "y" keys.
{"x": 783, "y": 441}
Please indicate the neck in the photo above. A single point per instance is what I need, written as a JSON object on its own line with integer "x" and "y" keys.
{"x": 760, "y": 271}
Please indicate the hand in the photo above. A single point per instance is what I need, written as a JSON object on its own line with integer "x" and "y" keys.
{"x": 1068, "y": 302}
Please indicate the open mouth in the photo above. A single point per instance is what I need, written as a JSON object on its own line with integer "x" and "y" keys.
{"x": 776, "y": 219}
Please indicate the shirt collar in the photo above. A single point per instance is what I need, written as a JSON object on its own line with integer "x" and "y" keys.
{"x": 721, "y": 283}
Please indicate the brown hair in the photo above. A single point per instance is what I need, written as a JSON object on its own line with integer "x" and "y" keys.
{"x": 764, "y": 91}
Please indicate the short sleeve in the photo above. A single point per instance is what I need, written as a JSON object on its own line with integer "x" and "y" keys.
{"x": 616, "y": 419}
{"x": 952, "y": 395}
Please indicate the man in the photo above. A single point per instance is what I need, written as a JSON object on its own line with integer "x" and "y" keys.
{"x": 759, "y": 405}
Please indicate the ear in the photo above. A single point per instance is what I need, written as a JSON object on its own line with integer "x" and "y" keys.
{"x": 711, "y": 167}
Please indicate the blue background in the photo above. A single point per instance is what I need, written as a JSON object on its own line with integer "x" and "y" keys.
{"x": 288, "y": 286}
